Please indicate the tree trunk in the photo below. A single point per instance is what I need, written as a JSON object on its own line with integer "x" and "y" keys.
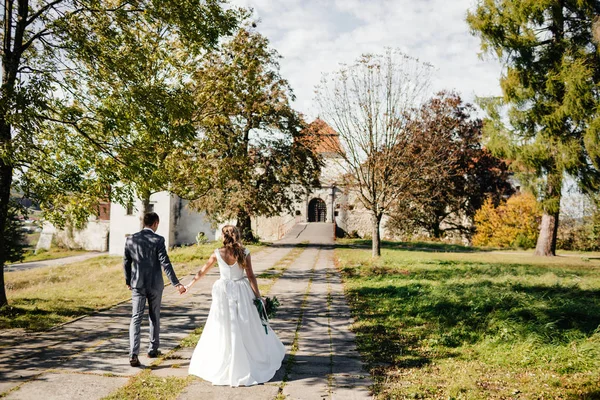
{"x": 376, "y": 240}
{"x": 5, "y": 184}
{"x": 546, "y": 243}
{"x": 244, "y": 224}
{"x": 145, "y": 206}
{"x": 3, "y": 299}
{"x": 6, "y": 172}
{"x": 10, "y": 66}
{"x": 436, "y": 230}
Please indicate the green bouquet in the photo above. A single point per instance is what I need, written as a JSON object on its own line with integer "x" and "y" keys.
{"x": 266, "y": 310}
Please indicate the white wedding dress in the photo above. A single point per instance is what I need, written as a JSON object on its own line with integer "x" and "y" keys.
{"x": 234, "y": 348}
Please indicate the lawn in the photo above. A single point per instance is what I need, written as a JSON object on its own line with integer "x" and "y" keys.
{"x": 51, "y": 254}
{"x": 31, "y": 239}
{"x": 450, "y": 322}
{"x": 44, "y": 297}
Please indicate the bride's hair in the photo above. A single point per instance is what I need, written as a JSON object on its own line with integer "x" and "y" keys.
{"x": 232, "y": 241}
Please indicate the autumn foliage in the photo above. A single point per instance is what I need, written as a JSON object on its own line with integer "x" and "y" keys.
{"x": 514, "y": 223}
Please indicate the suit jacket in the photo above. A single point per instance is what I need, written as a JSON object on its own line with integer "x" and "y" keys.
{"x": 145, "y": 254}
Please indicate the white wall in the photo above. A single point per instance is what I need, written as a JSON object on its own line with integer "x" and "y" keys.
{"x": 274, "y": 228}
{"x": 332, "y": 171}
{"x": 92, "y": 238}
{"x": 163, "y": 207}
{"x": 123, "y": 225}
{"x": 187, "y": 223}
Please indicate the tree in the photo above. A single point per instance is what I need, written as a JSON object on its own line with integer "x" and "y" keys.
{"x": 550, "y": 91}
{"x": 369, "y": 104}
{"x": 513, "y": 223}
{"x": 250, "y": 159}
{"x": 48, "y": 146}
{"x": 450, "y": 200}
{"x": 13, "y": 233}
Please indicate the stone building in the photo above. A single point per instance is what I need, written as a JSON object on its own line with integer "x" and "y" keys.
{"x": 94, "y": 237}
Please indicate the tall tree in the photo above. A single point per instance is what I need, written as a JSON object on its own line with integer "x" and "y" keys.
{"x": 250, "y": 159}
{"x": 550, "y": 89}
{"x": 449, "y": 201}
{"x": 48, "y": 138}
{"x": 369, "y": 104}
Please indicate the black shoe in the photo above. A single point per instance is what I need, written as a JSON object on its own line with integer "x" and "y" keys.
{"x": 154, "y": 353}
{"x": 134, "y": 361}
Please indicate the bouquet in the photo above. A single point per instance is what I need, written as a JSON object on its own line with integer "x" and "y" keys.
{"x": 266, "y": 309}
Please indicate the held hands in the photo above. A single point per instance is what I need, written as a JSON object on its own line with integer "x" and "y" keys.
{"x": 182, "y": 289}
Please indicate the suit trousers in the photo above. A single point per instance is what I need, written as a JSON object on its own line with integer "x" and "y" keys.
{"x": 138, "y": 303}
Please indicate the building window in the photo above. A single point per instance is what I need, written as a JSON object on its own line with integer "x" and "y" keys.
{"x": 150, "y": 208}
{"x": 129, "y": 208}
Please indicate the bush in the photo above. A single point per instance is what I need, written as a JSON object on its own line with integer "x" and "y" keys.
{"x": 353, "y": 235}
{"x": 580, "y": 235}
{"x": 201, "y": 238}
{"x": 513, "y": 223}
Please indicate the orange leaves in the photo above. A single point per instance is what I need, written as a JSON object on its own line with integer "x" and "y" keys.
{"x": 514, "y": 223}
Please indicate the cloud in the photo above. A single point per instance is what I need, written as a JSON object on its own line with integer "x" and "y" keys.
{"x": 315, "y": 36}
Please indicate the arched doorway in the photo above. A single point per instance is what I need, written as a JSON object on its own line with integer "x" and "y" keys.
{"x": 317, "y": 211}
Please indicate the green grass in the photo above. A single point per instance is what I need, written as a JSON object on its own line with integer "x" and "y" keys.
{"x": 192, "y": 339}
{"x": 475, "y": 325}
{"x": 53, "y": 253}
{"x": 150, "y": 387}
{"x": 44, "y": 297}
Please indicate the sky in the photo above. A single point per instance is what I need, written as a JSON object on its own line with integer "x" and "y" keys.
{"x": 315, "y": 36}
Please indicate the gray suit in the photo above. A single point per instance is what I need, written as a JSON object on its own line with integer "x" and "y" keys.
{"x": 145, "y": 254}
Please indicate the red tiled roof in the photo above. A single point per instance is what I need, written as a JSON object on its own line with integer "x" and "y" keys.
{"x": 322, "y": 137}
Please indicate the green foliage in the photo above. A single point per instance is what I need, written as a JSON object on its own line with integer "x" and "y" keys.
{"x": 14, "y": 241}
{"x": 119, "y": 69}
{"x": 474, "y": 325}
{"x": 513, "y": 223}
{"x": 249, "y": 159}
{"x": 134, "y": 104}
{"x": 549, "y": 92}
{"x": 581, "y": 234}
{"x": 201, "y": 238}
{"x": 578, "y": 235}
{"x": 93, "y": 93}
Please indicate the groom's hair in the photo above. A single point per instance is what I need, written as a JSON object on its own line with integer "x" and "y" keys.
{"x": 150, "y": 218}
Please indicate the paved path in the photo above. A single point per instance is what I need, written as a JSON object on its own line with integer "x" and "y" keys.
{"x": 52, "y": 262}
{"x": 87, "y": 359}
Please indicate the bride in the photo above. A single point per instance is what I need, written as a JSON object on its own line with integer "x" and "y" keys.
{"x": 234, "y": 348}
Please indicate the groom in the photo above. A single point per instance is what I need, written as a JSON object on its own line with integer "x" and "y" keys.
{"x": 145, "y": 254}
